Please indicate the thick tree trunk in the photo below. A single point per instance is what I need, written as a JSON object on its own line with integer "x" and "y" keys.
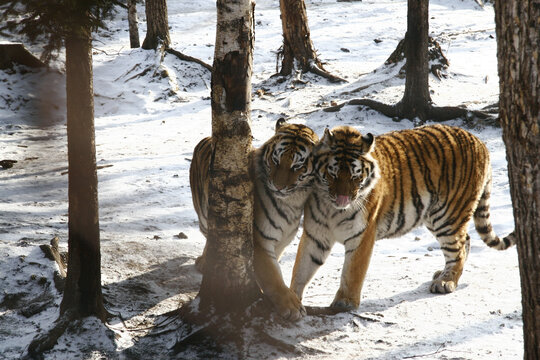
{"x": 83, "y": 284}
{"x": 297, "y": 45}
{"x": 228, "y": 272}
{"x": 296, "y": 37}
{"x": 133, "y": 24}
{"x": 416, "y": 101}
{"x": 157, "y": 25}
{"x": 519, "y": 75}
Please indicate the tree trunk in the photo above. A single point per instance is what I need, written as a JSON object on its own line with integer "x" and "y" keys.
{"x": 157, "y": 25}
{"x": 228, "y": 272}
{"x": 83, "y": 284}
{"x": 517, "y": 24}
{"x": 133, "y": 24}
{"x": 416, "y": 101}
{"x": 297, "y": 45}
{"x": 296, "y": 37}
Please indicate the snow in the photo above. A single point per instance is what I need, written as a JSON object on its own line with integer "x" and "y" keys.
{"x": 146, "y": 129}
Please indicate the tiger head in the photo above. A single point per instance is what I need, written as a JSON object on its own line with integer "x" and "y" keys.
{"x": 344, "y": 165}
{"x": 287, "y": 160}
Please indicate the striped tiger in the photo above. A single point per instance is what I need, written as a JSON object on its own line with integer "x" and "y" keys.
{"x": 371, "y": 188}
{"x": 282, "y": 171}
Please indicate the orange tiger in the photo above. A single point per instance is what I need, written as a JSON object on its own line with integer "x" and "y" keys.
{"x": 371, "y": 188}
{"x": 282, "y": 170}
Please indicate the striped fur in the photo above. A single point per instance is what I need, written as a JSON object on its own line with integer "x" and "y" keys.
{"x": 373, "y": 188}
{"x": 282, "y": 170}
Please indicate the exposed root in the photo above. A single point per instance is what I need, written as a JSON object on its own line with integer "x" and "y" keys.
{"x": 325, "y": 74}
{"x": 45, "y": 342}
{"x": 184, "y": 57}
{"x": 388, "y": 110}
{"x": 433, "y": 113}
{"x": 211, "y": 335}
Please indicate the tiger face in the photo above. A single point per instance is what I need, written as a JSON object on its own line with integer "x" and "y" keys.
{"x": 287, "y": 158}
{"x": 344, "y": 165}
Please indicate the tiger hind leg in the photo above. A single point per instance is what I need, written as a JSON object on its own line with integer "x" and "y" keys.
{"x": 455, "y": 249}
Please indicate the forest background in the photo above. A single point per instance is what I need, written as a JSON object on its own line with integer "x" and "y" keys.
{"x": 149, "y": 115}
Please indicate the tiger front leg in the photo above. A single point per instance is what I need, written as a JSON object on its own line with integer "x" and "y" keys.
{"x": 455, "y": 250}
{"x": 311, "y": 254}
{"x": 269, "y": 277}
{"x": 357, "y": 256}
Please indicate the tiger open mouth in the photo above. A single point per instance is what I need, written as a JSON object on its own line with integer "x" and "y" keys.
{"x": 343, "y": 201}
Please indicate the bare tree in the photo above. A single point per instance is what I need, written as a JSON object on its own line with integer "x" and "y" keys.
{"x": 157, "y": 25}
{"x": 157, "y": 31}
{"x": 416, "y": 101}
{"x": 133, "y": 24}
{"x": 297, "y": 44}
{"x": 517, "y": 24}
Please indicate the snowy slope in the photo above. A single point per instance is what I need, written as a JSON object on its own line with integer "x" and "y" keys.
{"x": 146, "y": 128}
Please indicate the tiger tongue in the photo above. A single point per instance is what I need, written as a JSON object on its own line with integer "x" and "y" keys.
{"x": 343, "y": 200}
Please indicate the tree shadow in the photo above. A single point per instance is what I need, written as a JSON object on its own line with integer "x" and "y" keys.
{"x": 435, "y": 346}
{"x": 36, "y": 97}
{"x": 383, "y": 304}
{"x": 137, "y": 295}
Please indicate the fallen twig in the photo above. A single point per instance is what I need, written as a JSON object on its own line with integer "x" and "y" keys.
{"x": 439, "y": 349}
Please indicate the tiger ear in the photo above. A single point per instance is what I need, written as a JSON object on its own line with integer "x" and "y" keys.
{"x": 368, "y": 140}
{"x": 328, "y": 137}
{"x": 280, "y": 122}
{"x": 325, "y": 143}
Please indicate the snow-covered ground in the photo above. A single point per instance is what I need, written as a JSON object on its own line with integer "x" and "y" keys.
{"x": 146, "y": 129}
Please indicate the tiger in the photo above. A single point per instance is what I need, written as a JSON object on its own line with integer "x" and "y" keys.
{"x": 282, "y": 172}
{"x": 369, "y": 188}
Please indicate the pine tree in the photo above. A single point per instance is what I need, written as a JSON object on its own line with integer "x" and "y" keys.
{"x": 70, "y": 23}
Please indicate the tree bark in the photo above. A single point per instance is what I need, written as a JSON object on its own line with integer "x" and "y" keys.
{"x": 133, "y": 24}
{"x": 228, "y": 273}
{"x": 157, "y": 25}
{"x": 83, "y": 284}
{"x": 517, "y": 24}
{"x": 416, "y": 100}
{"x": 297, "y": 44}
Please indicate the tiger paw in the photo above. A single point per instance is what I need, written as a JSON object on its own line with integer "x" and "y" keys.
{"x": 344, "y": 305}
{"x": 288, "y": 306}
{"x": 442, "y": 284}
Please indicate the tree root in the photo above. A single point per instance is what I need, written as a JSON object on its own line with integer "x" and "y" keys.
{"x": 433, "y": 113}
{"x": 45, "y": 342}
{"x": 184, "y": 57}
{"x": 325, "y": 74}
{"x": 211, "y": 334}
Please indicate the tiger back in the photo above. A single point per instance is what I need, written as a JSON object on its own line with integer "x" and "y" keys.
{"x": 282, "y": 172}
{"x": 371, "y": 188}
